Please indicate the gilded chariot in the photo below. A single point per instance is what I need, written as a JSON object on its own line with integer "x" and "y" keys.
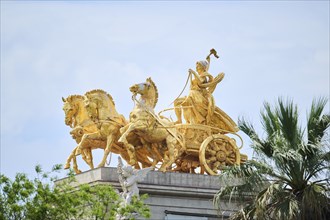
{"x": 205, "y": 143}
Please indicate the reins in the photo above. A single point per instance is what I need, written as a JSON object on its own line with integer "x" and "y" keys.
{"x": 185, "y": 86}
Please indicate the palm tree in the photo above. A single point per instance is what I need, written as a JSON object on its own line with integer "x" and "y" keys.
{"x": 289, "y": 176}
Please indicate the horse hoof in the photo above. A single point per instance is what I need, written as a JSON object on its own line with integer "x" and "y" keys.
{"x": 178, "y": 122}
{"x": 132, "y": 162}
{"x": 78, "y": 151}
{"x": 66, "y": 166}
{"x": 100, "y": 165}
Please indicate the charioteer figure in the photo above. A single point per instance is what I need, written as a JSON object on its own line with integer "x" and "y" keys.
{"x": 199, "y": 106}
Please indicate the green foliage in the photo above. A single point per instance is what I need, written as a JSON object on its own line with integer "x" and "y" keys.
{"x": 40, "y": 199}
{"x": 289, "y": 178}
{"x": 136, "y": 207}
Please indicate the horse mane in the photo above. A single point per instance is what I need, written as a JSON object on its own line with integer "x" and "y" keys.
{"x": 100, "y": 91}
{"x": 156, "y": 91}
{"x": 71, "y": 98}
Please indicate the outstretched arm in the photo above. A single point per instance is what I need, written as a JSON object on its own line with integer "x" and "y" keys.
{"x": 138, "y": 175}
{"x": 208, "y": 59}
{"x": 213, "y": 83}
{"x": 214, "y": 52}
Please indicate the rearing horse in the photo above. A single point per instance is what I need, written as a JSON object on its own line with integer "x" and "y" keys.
{"x": 76, "y": 116}
{"x": 80, "y": 119}
{"x": 102, "y": 111}
{"x": 145, "y": 124}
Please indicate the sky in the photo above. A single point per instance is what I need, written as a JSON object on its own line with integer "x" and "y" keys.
{"x": 53, "y": 49}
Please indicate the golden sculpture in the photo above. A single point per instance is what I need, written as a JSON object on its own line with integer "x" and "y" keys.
{"x": 152, "y": 140}
{"x": 76, "y": 116}
{"x": 199, "y": 106}
{"x": 90, "y": 131}
{"x": 149, "y": 127}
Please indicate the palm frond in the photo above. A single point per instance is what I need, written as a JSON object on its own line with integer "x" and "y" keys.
{"x": 260, "y": 146}
{"x": 290, "y": 163}
{"x": 285, "y": 206}
{"x": 317, "y": 124}
{"x": 248, "y": 129}
{"x": 315, "y": 203}
{"x": 269, "y": 120}
{"x": 245, "y": 213}
{"x": 241, "y": 182}
{"x": 287, "y": 114}
{"x": 317, "y": 162}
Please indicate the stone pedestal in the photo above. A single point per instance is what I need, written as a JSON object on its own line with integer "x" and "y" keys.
{"x": 172, "y": 196}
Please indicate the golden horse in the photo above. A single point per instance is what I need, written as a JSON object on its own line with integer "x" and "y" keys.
{"x": 76, "y": 116}
{"x": 101, "y": 109}
{"x": 157, "y": 132}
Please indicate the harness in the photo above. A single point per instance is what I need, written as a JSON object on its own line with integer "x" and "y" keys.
{"x": 159, "y": 121}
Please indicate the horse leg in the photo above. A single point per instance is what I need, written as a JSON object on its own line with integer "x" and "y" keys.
{"x": 110, "y": 140}
{"x": 130, "y": 148}
{"x": 89, "y": 157}
{"x": 125, "y": 132}
{"x": 164, "y": 164}
{"x": 156, "y": 156}
{"x": 84, "y": 156}
{"x": 172, "y": 152}
{"x": 68, "y": 161}
{"x": 82, "y": 144}
{"x": 132, "y": 154}
{"x": 90, "y": 153}
{"x": 177, "y": 109}
{"x": 75, "y": 164}
{"x": 85, "y": 149}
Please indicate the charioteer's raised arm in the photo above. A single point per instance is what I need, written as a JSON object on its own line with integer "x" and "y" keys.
{"x": 214, "y": 52}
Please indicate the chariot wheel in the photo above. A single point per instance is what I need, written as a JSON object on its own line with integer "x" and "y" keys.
{"x": 218, "y": 151}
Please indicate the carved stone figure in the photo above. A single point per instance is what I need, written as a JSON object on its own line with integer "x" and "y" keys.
{"x": 128, "y": 178}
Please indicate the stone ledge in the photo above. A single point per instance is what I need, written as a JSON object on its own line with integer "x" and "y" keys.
{"x": 177, "y": 193}
{"x": 172, "y": 179}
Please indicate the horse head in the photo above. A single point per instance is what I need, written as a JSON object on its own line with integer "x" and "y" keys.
{"x": 71, "y": 108}
{"x": 99, "y": 104}
{"x": 148, "y": 92}
{"x": 77, "y": 133}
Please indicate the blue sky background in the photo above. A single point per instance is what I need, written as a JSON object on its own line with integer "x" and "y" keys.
{"x": 51, "y": 49}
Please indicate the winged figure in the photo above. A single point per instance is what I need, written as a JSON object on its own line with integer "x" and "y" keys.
{"x": 128, "y": 178}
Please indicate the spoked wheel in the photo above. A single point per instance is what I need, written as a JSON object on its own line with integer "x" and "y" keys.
{"x": 218, "y": 151}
